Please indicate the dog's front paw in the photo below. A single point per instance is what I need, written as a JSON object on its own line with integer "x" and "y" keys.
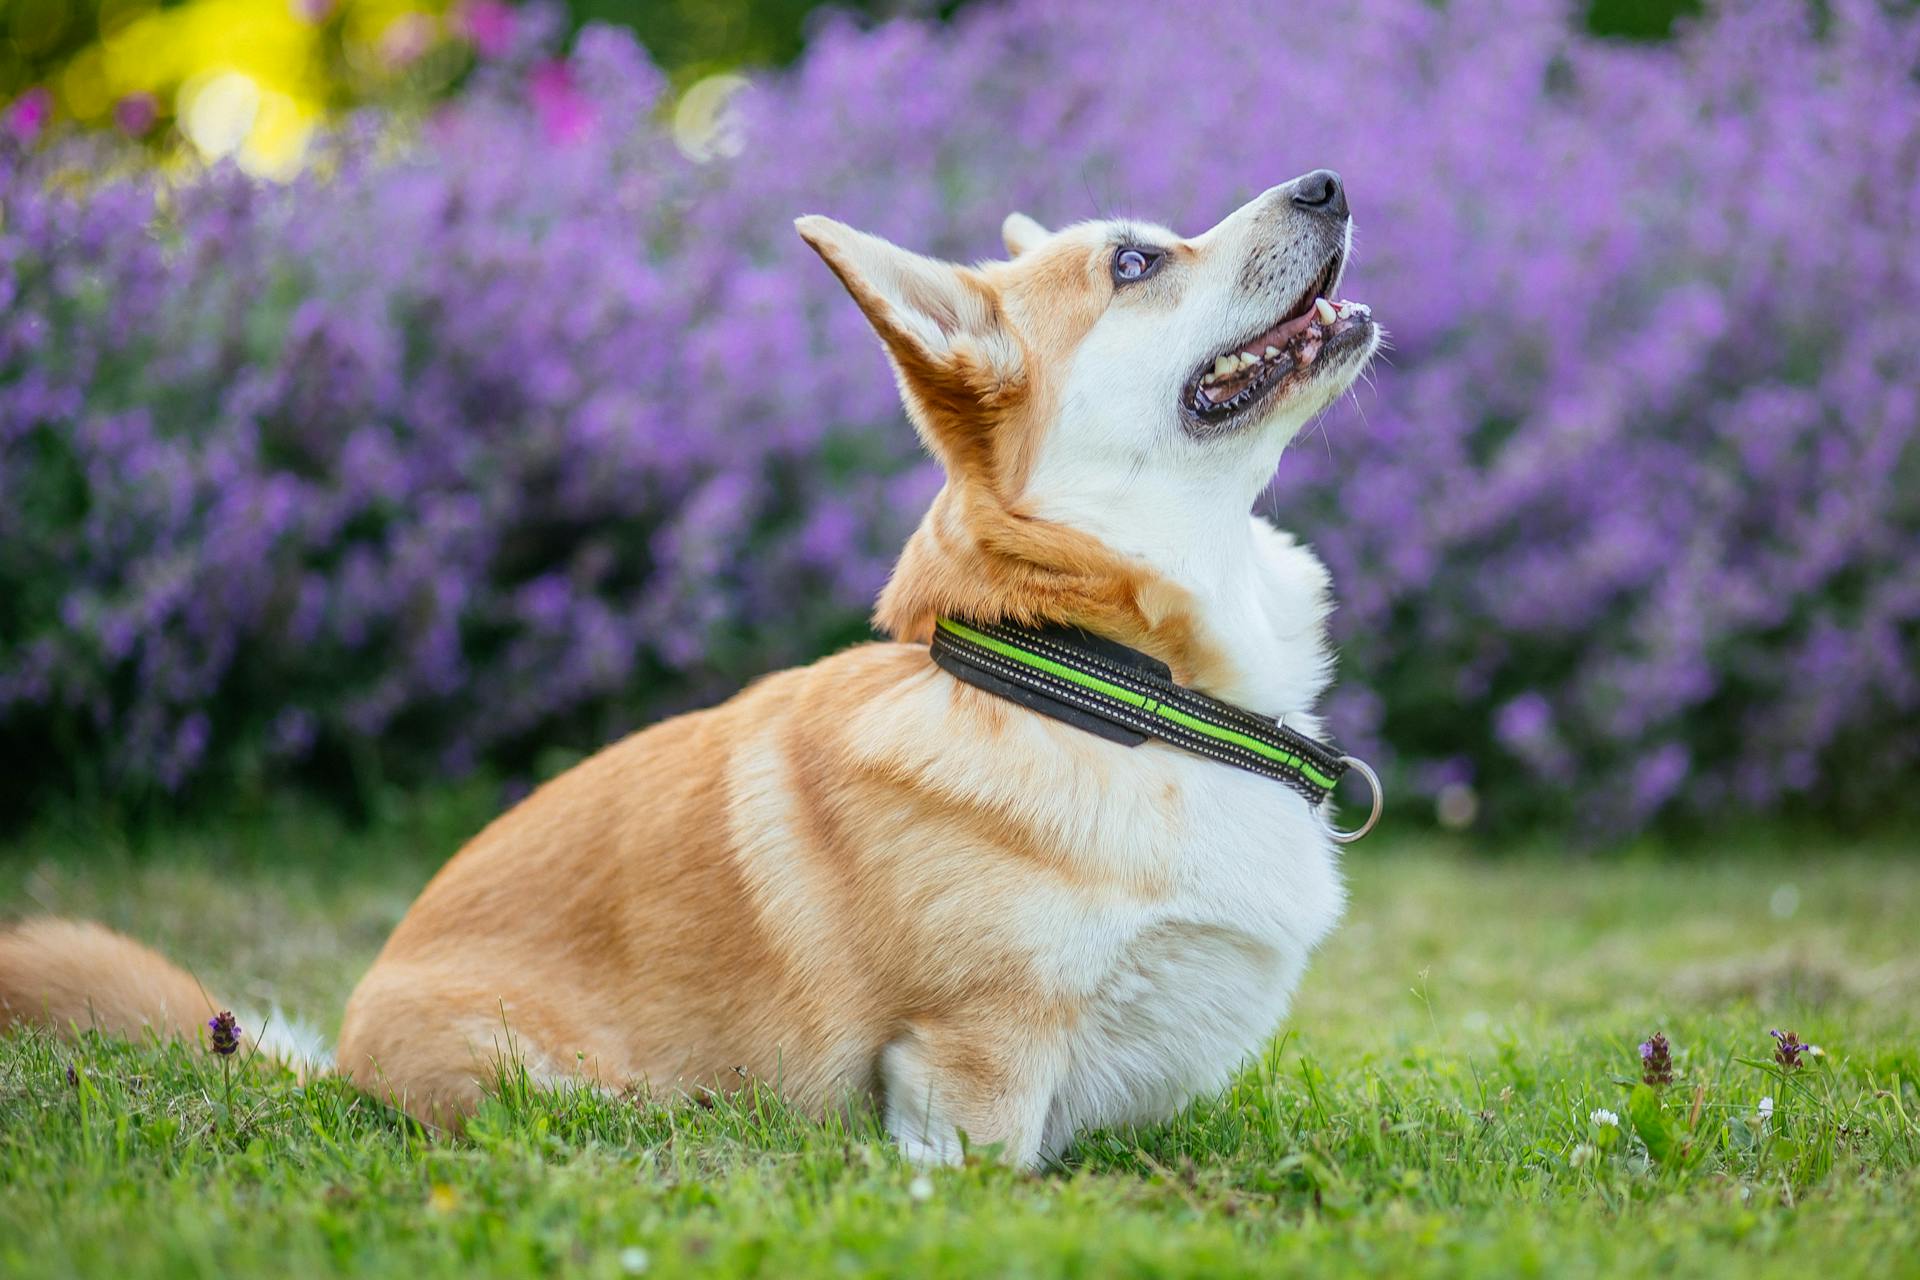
{"x": 940, "y": 1112}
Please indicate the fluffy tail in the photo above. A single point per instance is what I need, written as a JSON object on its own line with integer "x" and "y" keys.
{"x": 73, "y": 975}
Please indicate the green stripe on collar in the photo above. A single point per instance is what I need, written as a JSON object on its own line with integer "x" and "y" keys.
{"x": 1098, "y": 685}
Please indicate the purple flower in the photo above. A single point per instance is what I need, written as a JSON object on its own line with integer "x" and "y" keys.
{"x": 459, "y": 448}
{"x": 1524, "y": 720}
{"x": 488, "y": 25}
{"x": 1656, "y": 1061}
{"x": 564, "y": 111}
{"x": 136, "y": 114}
{"x": 28, "y": 115}
{"x": 1789, "y": 1049}
{"x": 225, "y": 1034}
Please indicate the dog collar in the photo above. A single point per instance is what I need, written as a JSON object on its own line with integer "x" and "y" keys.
{"x": 1125, "y": 696}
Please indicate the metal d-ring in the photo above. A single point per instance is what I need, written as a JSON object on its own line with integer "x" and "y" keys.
{"x": 1379, "y": 801}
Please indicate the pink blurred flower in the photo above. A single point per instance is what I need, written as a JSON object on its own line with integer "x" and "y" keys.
{"x": 315, "y": 11}
{"x": 406, "y": 39}
{"x": 28, "y": 114}
{"x": 135, "y": 114}
{"x": 565, "y": 113}
{"x": 488, "y": 26}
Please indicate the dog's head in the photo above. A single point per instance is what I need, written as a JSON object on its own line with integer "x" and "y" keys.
{"x": 1112, "y": 376}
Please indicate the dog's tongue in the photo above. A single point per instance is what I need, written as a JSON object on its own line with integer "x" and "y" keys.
{"x": 1286, "y": 331}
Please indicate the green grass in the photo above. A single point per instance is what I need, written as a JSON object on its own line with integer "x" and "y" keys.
{"x": 1427, "y": 1112}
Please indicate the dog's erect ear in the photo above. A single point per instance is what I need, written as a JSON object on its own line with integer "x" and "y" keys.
{"x": 1020, "y": 233}
{"x": 941, "y": 324}
{"x": 922, "y": 308}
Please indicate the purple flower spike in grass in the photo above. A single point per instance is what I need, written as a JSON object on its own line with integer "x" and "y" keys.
{"x": 226, "y": 1033}
{"x": 1656, "y": 1061}
{"x": 1790, "y": 1049}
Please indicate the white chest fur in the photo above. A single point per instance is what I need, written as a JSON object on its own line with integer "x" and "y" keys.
{"x": 1190, "y": 986}
{"x": 1192, "y": 893}
{"x": 1175, "y": 994}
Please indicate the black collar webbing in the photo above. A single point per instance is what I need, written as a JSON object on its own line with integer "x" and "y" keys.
{"x": 1124, "y": 695}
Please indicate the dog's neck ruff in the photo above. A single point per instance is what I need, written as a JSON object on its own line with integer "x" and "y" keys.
{"x": 1126, "y": 696}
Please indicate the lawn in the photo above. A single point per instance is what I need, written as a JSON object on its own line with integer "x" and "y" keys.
{"x": 1430, "y": 1110}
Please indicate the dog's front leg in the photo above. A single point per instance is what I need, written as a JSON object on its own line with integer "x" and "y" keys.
{"x": 978, "y": 1084}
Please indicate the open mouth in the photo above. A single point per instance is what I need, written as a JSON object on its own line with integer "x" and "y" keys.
{"x": 1253, "y": 371}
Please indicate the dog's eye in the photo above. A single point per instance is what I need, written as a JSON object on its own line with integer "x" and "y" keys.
{"x": 1130, "y": 264}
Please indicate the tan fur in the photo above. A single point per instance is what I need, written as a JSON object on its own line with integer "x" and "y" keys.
{"x": 73, "y": 975}
{"x": 614, "y": 925}
{"x": 825, "y": 870}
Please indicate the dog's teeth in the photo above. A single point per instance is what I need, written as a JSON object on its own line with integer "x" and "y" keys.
{"x": 1248, "y": 359}
{"x": 1324, "y": 309}
{"x": 1363, "y": 309}
{"x": 1271, "y": 352}
{"x": 1225, "y": 365}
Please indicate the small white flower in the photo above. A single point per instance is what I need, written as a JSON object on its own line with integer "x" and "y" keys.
{"x": 1605, "y": 1117}
{"x": 921, "y": 1188}
{"x": 1581, "y": 1154}
{"x": 634, "y": 1260}
{"x": 1765, "y": 1110}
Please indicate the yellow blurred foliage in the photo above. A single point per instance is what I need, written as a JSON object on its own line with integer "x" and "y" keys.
{"x": 246, "y": 79}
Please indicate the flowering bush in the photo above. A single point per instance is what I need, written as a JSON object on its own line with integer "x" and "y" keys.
{"x": 535, "y": 427}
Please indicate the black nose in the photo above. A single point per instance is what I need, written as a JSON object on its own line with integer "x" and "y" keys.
{"x": 1321, "y": 191}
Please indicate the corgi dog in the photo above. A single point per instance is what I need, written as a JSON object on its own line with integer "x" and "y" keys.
{"x": 867, "y": 879}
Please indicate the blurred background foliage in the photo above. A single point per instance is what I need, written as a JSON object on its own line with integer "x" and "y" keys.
{"x": 252, "y": 79}
{"x": 509, "y": 414}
